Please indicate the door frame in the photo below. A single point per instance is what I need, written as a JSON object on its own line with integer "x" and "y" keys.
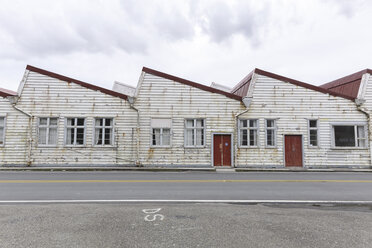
{"x": 232, "y": 148}
{"x": 302, "y": 146}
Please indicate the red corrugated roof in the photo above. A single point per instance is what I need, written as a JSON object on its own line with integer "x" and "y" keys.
{"x": 348, "y": 85}
{"x": 68, "y": 79}
{"x": 6, "y": 92}
{"x": 190, "y": 83}
{"x": 242, "y": 87}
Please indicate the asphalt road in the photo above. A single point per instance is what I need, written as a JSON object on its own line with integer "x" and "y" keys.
{"x": 161, "y": 224}
{"x": 185, "y": 186}
{"x": 183, "y": 225}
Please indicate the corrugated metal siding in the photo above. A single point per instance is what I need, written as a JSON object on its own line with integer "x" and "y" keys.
{"x": 44, "y": 96}
{"x": 292, "y": 106}
{"x": 14, "y": 152}
{"x": 159, "y": 97}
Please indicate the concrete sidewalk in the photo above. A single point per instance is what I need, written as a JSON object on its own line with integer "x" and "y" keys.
{"x": 180, "y": 169}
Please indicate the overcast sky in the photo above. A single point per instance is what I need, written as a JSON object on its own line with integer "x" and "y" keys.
{"x": 203, "y": 41}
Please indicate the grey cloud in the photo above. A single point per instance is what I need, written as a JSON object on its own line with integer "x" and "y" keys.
{"x": 348, "y": 8}
{"x": 221, "y": 21}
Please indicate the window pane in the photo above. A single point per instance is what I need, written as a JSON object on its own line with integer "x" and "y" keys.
{"x": 269, "y": 123}
{"x": 253, "y": 123}
{"x": 199, "y": 137}
{"x": 253, "y": 137}
{"x": 243, "y": 123}
{"x": 189, "y": 123}
{"x": 190, "y": 137}
{"x": 53, "y": 121}
{"x": 70, "y": 136}
{"x": 2, "y": 121}
{"x": 42, "y": 136}
{"x": 243, "y": 137}
{"x": 98, "y": 136}
{"x": 1, "y": 135}
{"x": 156, "y": 136}
{"x": 166, "y": 137}
{"x": 108, "y": 136}
{"x": 313, "y": 123}
{"x": 361, "y": 143}
{"x": 108, "y": 122}
{"x": 79, "y": 136}
{"x": 70, "y": 121}
{"x": 52, "y": 136}
{"x": 344, "y": 136}
{"x": 43, "y": 121}
{"x": 314, "y": 137}
{"x": 361, "y": 133}
{"x": 199, "y": 123}
{"x": 99, "y": 122}
{"x": 270, "y": 137}
{"x": 80, "y": 121}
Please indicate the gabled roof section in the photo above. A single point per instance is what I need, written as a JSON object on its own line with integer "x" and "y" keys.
{"x": 190, "y": 83}
{"x": 242, "y": 87}
{"x": 6, "y": 93}
{"x": 81, "y": 83}
{"x": 348, "y": 85}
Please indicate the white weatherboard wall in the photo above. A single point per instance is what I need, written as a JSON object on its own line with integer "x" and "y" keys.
{"x": 44, "y": 96}
{"x": 162, "y": 98}
{"x": 292, "y": 106}
{"x": 14, "y": 150}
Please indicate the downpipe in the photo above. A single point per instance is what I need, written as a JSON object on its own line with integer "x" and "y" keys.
{"x": 138, "y": 163}
{"x": 29, "y": 140}
{"x": 366, "y": 112}
{"x": 247, "y": 102}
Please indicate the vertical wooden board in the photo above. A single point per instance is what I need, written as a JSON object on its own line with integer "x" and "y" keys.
{"x": 217, "y": 153}
{"x": 226, "y": 144}
{"x": 293, "y": 150}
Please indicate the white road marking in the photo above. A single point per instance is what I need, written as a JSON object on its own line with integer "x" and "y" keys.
{"x": 152, "y": 216}
{"x": 187, "y": 201}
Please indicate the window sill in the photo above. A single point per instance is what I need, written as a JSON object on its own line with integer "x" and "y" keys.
{"x": 105, "y": 146}
{"x": 46, "y": 146}
{"x": 349, "y": 148}
{"x": 249, "y": 147}
{"x": 194, "y": 147}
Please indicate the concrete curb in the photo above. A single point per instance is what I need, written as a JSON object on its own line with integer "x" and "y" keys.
{"x": 153, "y": 169}
{"x": 301, "y": 170}
{"x": 180, "y": 169}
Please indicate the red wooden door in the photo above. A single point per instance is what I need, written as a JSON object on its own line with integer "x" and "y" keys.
{"x": 293, "y": 150}
{"x": 222, "y": 149}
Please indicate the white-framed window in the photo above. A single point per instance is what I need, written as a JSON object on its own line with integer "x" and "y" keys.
{"x": 75, "y": 131}
{"x": 248, "y": 133}
{"x": 103, "y": 131}
{"x": 313, "y": 133}
{"x": 47, "y": 131}
{"x": 2, "y": 130}
{"x": 194, "y": 132}
{"x": 349, "y": 135}
{"x": 161, "y": 132}
{"x": 270, "y": 130}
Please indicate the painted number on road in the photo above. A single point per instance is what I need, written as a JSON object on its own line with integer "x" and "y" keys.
{"x": 153, "y": 214}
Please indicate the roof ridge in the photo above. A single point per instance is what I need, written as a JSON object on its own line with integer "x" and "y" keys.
{"x": 68, "y": 79}
{"x": 6, "y": 92}
{"x": 348, "y": 78}
{"x": 301, "y": 84}
{"x": 191, "y": 83}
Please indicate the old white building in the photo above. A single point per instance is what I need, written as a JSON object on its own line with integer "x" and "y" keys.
{"x": 267, "y": 120}
{"x": 72, "y": 122}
